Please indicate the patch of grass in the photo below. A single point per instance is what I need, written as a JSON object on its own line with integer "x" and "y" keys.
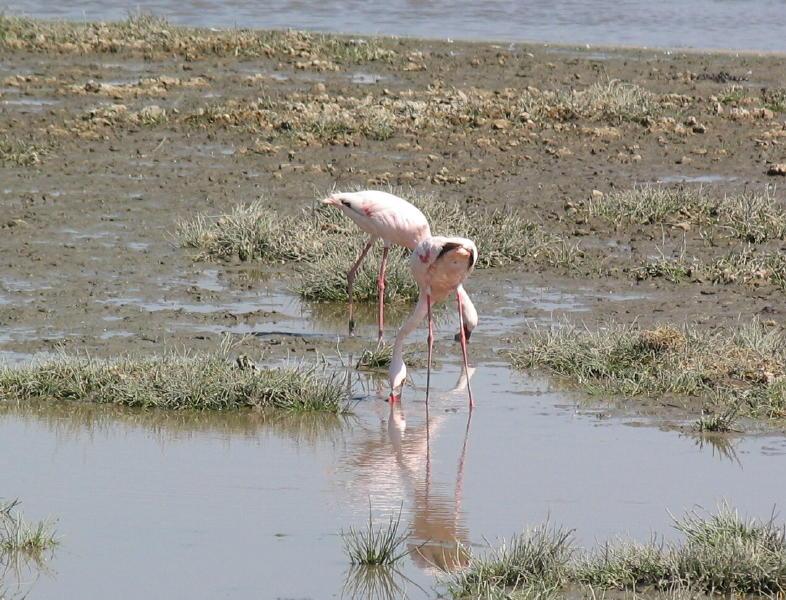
{"x": 324, "y": 279}
{"x": 751, "y": 216}
{"x": 537, "y": 559}
{"x": 744, "y": 366}
{"x": 613, "y": 101}
{"x": 325, "y": 243}
{"x": 173, "y": 381}
{"x": 625, "y": 565}
{"x": 720, "y": 553}
{"x": 20, "y": 153}
{"x": 376, "y": 546}
{"x": 147, "y": 34}
{"x": 716, "y": 422}
{"x": 774, "y": 99}
{"x": 749, "y": 266}
{"x": 378, "y": 358}
{"x": 20, "y": 537}
{"x": 671, "y": 268}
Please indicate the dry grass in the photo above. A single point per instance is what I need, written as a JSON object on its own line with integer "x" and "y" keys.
{"x": 20, "y": 153}
{"x": 150, "y": 35}
{"x": 174, "y": 381}
{"x": 754, "y": 217}
{"x": 742, "y": 368}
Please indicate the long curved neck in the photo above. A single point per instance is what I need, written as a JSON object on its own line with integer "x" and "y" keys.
{"x": 397, "y": 371}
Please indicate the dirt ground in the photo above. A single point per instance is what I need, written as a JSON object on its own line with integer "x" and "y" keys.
{"x": 88, "y": 259}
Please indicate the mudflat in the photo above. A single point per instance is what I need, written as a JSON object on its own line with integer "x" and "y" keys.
{"x": 112, "y": 134}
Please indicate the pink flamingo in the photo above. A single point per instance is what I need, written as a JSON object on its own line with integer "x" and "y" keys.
{"x": 440, "y": 265}
{"x": 395, "y": 221}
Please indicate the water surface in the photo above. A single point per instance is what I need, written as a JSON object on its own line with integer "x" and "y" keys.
{"x": 251, "y": 506}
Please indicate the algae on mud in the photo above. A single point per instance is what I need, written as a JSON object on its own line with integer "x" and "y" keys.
{"x": 174, "y": 381}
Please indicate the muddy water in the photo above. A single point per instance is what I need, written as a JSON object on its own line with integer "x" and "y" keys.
{"x": 736, "y": 24}
{"x": 188, "y": 505}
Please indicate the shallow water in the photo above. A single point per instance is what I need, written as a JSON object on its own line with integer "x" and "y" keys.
{"x": 734, "y": 24}
{"x": 239, "y": 505}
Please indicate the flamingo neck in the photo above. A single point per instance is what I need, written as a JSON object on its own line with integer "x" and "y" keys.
{"x": 397, "y": 366}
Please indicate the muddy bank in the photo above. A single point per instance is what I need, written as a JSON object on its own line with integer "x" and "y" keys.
{"x": 115, "y": 133}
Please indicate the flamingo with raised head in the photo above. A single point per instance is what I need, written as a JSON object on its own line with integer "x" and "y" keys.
{"x": 440, "y": 266}
{"x": 395, "y": 221}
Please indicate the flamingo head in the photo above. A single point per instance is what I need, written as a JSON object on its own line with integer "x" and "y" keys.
{"x": 397, "y": 374}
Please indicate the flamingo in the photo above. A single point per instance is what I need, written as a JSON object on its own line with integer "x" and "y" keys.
{"x": 440, "y": 266}
{"x": 395, "y": 221}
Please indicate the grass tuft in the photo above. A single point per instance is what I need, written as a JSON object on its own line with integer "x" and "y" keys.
{"x": 376, "y": 546}
{"x": 744, "y": 366}
{"x": 721, "y": 553}
{"x": 20, "y": 537}
{"x": 20, "y": 153}
{"x": 173, "y": 381}
{"x": 754, "y": 217}
{"x": 535, "y": 559}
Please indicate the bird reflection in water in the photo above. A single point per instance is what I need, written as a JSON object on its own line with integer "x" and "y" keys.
{"x": 398, "y": 460}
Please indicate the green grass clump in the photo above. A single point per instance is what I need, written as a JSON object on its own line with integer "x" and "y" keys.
{"x": 173, "y": 381}
{"x": 19, "y": 537}
{"x": 537, "y": 559}
{"x": 720, "y": 553}
{"x": 324, "y": 243}
{"x": 744, "y": 366}
{"x": 325, "y": 278}
{"x": 754, "y": 217}
{"x": 376, "y": 546}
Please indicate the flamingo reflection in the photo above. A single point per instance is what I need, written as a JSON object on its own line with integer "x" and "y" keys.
{"x": 439, "y": 535}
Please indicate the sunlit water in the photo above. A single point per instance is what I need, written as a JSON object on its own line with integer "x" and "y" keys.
{"x": 734, "y": 24}
{"x": 247, "y": 506}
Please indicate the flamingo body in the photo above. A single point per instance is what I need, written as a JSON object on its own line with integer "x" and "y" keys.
{"x": 440, "y": 265}
{"x": 384, "y": 216}
{"x": 395, "y": 221}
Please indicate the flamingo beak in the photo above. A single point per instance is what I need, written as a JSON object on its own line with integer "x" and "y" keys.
{"x": 393, "y": 398}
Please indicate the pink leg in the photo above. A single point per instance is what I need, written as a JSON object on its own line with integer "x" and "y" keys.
{"x": 351, "y": 281}
{"x": 381, "y": 288}
{"x": 430, "y": 347}
{"x": 464, "y": 351}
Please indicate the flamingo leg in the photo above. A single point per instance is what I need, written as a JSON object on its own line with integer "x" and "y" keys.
{"x": 464, "y": 350}
{"x": 381, "y": 288}
{"x": 351, "y": 281}
{"x": 430, "y": 347}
